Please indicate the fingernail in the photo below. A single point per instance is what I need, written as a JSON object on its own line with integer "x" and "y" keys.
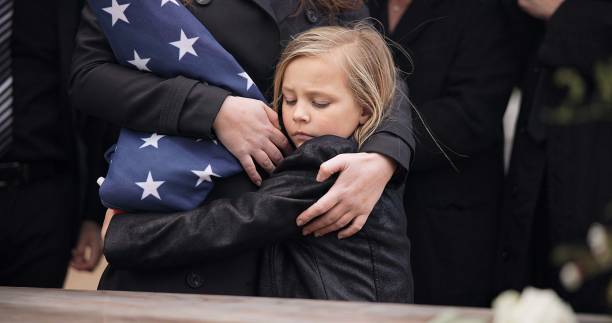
{"x": 305, "y": 233}
{"x": 317, "y": 235}
{"x": 258, "y": 183}
{"x": 300, "y": 222}
{"x": 340, "y": 236}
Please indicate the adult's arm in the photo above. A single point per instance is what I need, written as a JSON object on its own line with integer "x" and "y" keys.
{"x": 394, "y": 138}
{"x": 129, "y": 98}
{"x": 224, "y": 227}
{"x": 176, "y": 106}
{"x": 467, "y": 117}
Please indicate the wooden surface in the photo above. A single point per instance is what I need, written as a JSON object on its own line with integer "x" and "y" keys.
{"x": 57, "y": 305}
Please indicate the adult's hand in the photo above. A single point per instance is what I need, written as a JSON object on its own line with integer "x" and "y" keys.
{"x": 541, "y": 9}
{"x": 362, "y": 179}
{"x": 108, "y": 217}
{"x": 87, "y": 253}
{"x": 249, "y": 130}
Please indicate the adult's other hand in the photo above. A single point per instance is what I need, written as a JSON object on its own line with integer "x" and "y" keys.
{"x": 87, "y": 253}
{"x": 541, "y": 9}
{"x": 248, "y": 128}
{"x": 362, "y": 179}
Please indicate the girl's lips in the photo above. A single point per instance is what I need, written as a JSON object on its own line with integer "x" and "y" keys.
{"x": 301, "y": 136}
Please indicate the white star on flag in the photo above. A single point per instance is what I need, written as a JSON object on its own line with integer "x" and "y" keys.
{"x": 150, "y": 187}
{"x": 140, "y": 63}
{"x": 204, "y": 175}
{"x": 185, "y": 45}
{"x": 247, "y": 78}
{"x": 151, "y": 141}
{"x": 117, "y": 11}
{"x": 163, "y": 2}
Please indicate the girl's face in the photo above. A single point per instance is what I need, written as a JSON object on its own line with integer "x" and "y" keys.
{"x": 317, "y": 100}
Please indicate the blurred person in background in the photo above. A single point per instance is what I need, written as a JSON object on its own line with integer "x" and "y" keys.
{"x": 46, "y": 221}
{"x": 560, "y": 176}
{"x": 460, "y": 80}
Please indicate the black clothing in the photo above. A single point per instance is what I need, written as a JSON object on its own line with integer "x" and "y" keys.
{"x": 140, "y": 101}
{"x": 263, "y": 46}
{"x": 558, "y": 182}
{"x": 460, "y": 81}
{"x": 373, "y": 265}
{"x": 39, "y": 225}
{"x": 41, "y": 191}
{"x": 42, "y": 128}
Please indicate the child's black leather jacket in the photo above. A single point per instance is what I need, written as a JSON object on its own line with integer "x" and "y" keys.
{"x": 373, "y": 265}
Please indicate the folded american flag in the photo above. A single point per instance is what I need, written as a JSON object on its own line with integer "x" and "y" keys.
{"x": 153, "y": 172}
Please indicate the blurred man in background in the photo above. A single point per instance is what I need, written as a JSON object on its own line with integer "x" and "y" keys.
{"x": 47, "y": 193}
{"x": 560, "y": 176}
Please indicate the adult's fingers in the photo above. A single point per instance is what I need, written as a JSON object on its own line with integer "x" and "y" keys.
{"x": 249, "y": 167}
{"x": 95, "y": 253}
{"x": 324, "y": 204}
{"x": 332, "y": 166}
{"x": 279, "y": 139}
{"x": 78, "y": 257}
{"x": 355, "y": 227}
{"x": 339, "y": 224}
{"x": 273, "y": 153}
{"x": 78, "y": 264}
{"x": 264, "y": 160}
{"x": 272, "y": 116}
{"x": 330, "y": 217}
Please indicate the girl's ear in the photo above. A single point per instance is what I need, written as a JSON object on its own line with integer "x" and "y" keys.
{"x": 365, "y": 115}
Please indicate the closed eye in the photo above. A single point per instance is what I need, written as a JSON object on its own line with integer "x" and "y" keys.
{"x": 320, "y": 105}
{"x": 290, "y": 102}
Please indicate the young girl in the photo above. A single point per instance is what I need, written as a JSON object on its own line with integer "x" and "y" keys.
{"x": 333, "y": 86}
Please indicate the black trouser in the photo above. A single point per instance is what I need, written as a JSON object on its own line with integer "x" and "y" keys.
{"x": 37, "y": 231}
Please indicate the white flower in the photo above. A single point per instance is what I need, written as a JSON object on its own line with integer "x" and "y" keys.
{"x": 597, "y": 240}
{"x": 570, "y": 276}
{"x": 533, "y": 306}
{"x": 504, "y": 304}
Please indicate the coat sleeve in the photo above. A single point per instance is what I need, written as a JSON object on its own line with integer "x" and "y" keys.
{"x": 467, "y": 117}
{"x": 137, "y": 100}
{"x": 223, "y": 227}
{"x": 394, "y": 137}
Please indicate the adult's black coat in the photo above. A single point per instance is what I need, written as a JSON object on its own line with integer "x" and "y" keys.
{"x": 559, "y": 179}
{"x": 254, "y": 33}
{"x": 459, "y": 80}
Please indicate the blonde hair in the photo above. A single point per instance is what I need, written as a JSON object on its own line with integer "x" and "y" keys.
{"x": 366, "y": 59}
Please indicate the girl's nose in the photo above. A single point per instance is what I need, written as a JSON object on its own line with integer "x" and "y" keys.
{"x": 300, "y": 113}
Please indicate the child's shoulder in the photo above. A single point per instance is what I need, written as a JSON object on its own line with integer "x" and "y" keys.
{"x": 318, "y": 150}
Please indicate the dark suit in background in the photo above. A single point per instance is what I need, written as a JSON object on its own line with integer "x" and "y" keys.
{"x": 42, "y": 175}
{"x": 460, "y": 84}
{"x": 560, "y": 176}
